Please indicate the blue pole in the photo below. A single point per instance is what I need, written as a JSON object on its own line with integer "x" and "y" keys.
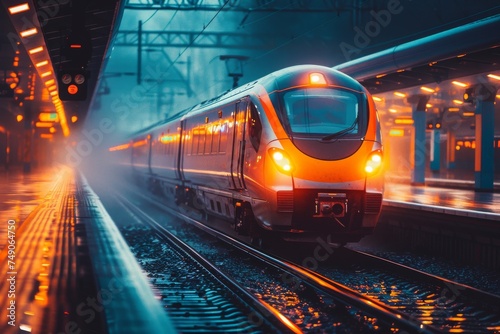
{"x": 484, "y": 165}
{"x": 419, "y": 151}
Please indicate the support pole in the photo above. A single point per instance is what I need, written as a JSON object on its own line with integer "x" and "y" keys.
{"x": 435, "y": 154}
{"x": 451, "y": 150}
{"x": 484, "y": 164}
{"x": 418, "y": 142}
{"x": 139, "y": 52}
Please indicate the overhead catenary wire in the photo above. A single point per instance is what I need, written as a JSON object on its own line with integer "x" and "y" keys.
{"x": 205, "y": 26}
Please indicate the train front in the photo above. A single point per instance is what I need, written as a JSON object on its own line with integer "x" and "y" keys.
{"x": 325, "y": 178}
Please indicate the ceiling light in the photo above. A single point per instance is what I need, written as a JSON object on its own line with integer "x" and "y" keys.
{"x": 427, "y": 89}
{"x": 393, "y": 110}
{"x": 458, "y": 83}
{"x": 49, "y": 82}
{"x": 458, "y": 102}
{"x": 28, "y": 32}
{"x": 376, "y": 98}
{"x": 42, "y": 63}
{"x": 36, "y": 50}
{"x": 19, "y": 8}
{"x": 400, "y": 94}
{"x": 46, "y": 74}
{"x": 493, "y": 76}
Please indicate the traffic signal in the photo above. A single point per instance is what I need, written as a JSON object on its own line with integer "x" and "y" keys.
{"x": 73, "y": 85}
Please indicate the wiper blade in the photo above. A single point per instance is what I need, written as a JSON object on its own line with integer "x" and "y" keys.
{"x": 340, "y": 133}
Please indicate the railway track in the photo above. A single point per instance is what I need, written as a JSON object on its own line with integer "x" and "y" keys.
{"x": 197, "y": 295}
{"x": 436, "y": 301}
{"x": 410, "y": 299}
{"x": 291, "y": 289}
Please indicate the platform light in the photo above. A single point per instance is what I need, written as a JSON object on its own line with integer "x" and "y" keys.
{"x": 396, "y": 132}
{"x": 392, "y": 110}
{"x": 404, "y": 121}
{"x": 453, "y": 109}
{"x": 46, "y": 135}
{"x": 35, "y": 50}
{"x": 19, "y": 8}
{"x": 376, "y": 98}
{"x": 493, "y": 76}
{"x": 43, "y": 124}
{"x": 459, "y": 83}
{"x": 317, "y": 79}
{"x": 458, "y": 102}
{"x": 400, "y": 94}
{"x": 468, "y": 114}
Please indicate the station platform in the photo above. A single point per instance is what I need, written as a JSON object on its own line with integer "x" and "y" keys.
{"x": 65, "y": 266}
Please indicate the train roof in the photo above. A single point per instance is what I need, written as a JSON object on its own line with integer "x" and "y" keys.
{"x": 293, "y": 76}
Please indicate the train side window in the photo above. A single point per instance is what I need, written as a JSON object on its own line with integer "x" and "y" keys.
{"x": 208, "y": 139}
{"x": 201, "y": 144}
{"x": 254, "y": 126}
{"x": 215, "y": 138}
{"x": 223, "y": 137}
{"x": 196, "y": 139}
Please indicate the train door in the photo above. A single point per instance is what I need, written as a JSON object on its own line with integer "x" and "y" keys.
{"x": 238, "y": 147}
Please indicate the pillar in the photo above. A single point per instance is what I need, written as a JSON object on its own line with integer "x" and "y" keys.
{"x": 28, "y": 138}
{"x": 451, "y": 144}
{"x": 435, "y": 154}
{"x": 418, "y": 141}
{"x": 485, "y": 135}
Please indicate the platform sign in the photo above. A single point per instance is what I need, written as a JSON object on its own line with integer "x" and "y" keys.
{"x": 48, "y": 117}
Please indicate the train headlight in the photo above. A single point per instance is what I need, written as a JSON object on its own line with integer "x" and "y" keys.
{"x": 374, "y": 162}
{"x": 316, "y": 78}
{"x": 281, "y": 160}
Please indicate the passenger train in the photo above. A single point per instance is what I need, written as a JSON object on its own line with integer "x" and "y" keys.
{"x": 297, "y": 153}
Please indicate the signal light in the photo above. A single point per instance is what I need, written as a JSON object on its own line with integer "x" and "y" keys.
{"x": 317, "y": 79}
{"x": 469, "y": 95}
{"x": 73, "y": 85}
{"x": 281, "y": 160}
{"x": 374, "y": 162}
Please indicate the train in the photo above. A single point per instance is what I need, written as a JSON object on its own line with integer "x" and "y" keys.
{"x": 296, "y": 154}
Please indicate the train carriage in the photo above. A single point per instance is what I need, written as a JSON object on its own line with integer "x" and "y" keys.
{"x": 297, "y": 153}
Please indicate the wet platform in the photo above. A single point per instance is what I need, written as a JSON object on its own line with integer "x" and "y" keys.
{"x": 64, "y": 266}
{"x": 68, "y": 262}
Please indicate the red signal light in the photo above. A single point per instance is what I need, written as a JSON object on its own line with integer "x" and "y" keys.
{"x": 72, "y": 89}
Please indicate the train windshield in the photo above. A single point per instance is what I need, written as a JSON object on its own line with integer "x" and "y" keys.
{"x": 326, "y": 112}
